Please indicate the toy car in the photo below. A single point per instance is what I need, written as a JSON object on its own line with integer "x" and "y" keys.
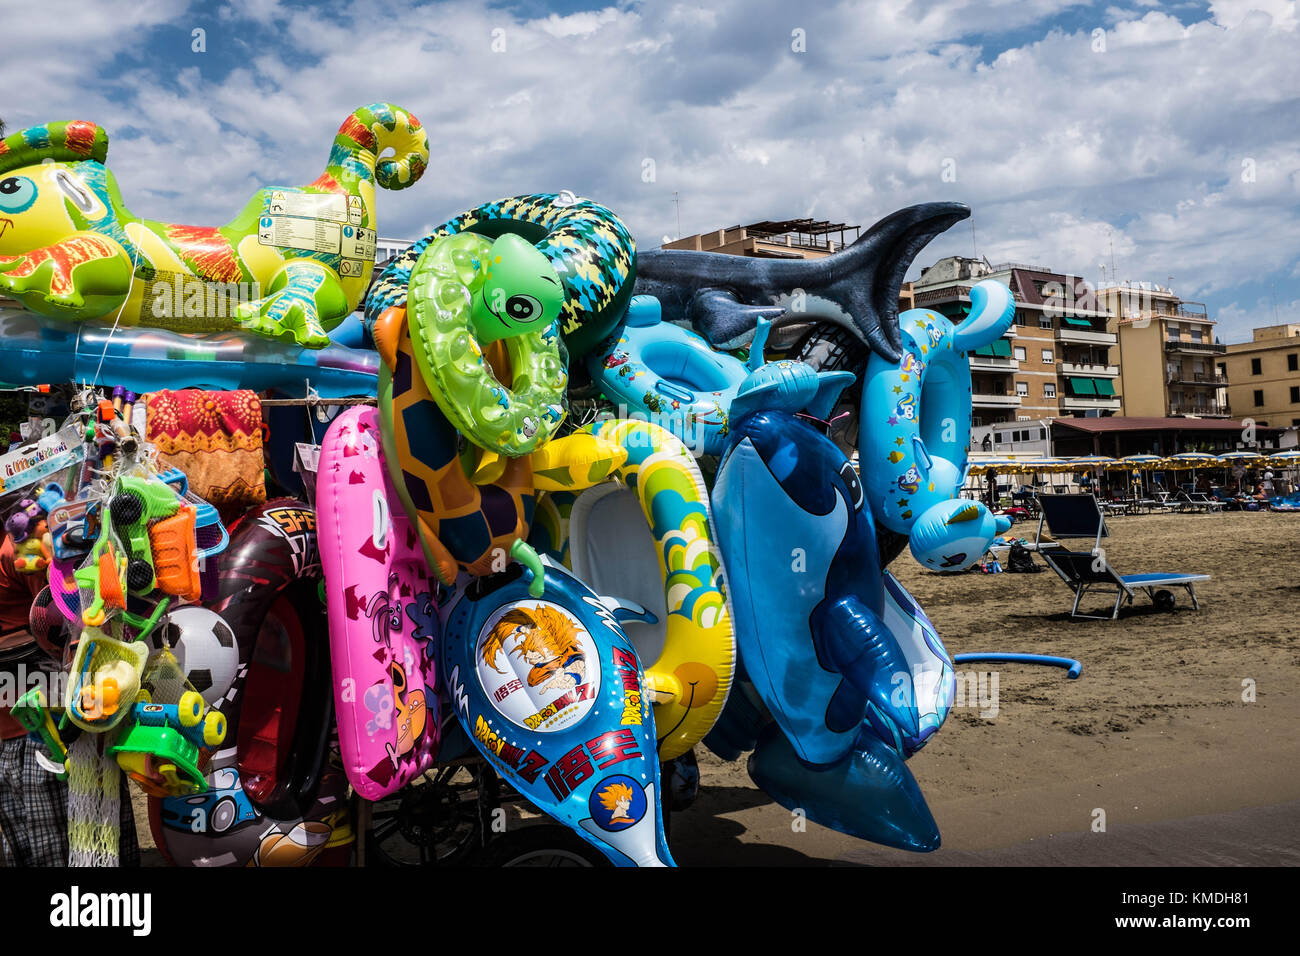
{"x": 159, "y": 750}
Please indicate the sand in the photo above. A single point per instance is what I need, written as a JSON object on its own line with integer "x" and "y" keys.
{"x": 1155, "y": 733}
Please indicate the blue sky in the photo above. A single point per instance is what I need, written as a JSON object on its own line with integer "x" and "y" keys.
{"x": 1167, "y": 132}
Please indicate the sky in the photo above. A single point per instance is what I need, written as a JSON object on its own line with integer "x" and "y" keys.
{"x": 1160, "y": 142}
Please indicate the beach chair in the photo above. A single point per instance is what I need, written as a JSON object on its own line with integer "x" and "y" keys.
{"x": 1080, "y": 516}
{"x": 1203, "y": 501}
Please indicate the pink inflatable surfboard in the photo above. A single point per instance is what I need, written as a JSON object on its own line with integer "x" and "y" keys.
{"x": 383, "y": 619}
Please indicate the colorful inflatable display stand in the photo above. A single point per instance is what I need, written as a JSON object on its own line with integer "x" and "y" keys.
{"x": 290, "y": 266}
{"x": 384, "y": 624}
{"x": 551, "y": 692}
{"x": 914, "y": 428}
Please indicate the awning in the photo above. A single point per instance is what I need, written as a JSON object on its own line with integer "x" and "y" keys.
{"x": 1104, "y": 386}
{"x": 1082, "y": 386}
{"x": 995, "y": 349}
{"x": 1077, "y": 322}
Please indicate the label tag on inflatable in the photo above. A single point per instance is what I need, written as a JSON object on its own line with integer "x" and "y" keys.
{"x": 311, "y": 205}
{"x": 552, "y": 694}
{"x": 293, "y": 232}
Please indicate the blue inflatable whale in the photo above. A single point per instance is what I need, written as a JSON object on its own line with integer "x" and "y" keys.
{"x": 809, "y": 611}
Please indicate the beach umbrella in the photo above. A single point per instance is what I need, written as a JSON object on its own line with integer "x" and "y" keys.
{"x": 1193, "y": 460}
{"x": 1139, "y": 464}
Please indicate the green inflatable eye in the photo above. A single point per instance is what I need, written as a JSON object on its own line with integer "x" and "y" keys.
{"x": 520, "y": 293}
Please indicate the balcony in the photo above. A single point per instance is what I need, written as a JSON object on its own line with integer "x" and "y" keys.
{"x": 1085, "y": 336}
{"x": 992, "y": 363}
{"x": 1194, "y": 348}
{"x": 1084, "y": 368}
{"x": 995, "y": 401}
{"x": 1084, "y": 402}
{"x": 1207, "y": 379}
{"x": 1203, "y": 410}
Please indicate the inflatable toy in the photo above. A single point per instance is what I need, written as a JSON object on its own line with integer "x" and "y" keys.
{"x": 552, "y": 694}
{"x": 467, "y": 292}
{"x": 291, "y": 265}
{"x": 273, "y": 798}
{"x": 383, "y": 619}
{"x": 35, "y": 350}
{"x": 460, "y": 524}
{"x": 723, "y": 296}
{"x": 650, "y": 541}
{"x": 915, "y": 427}
{"x": 587, "y": 245}
{"x": 672, "y": 377}
{"x": 669, "y": 375}
{"x": 929, "y": 683}
{"x": 789, "y": 507}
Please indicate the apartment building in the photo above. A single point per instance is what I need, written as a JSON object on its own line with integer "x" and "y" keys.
{"x": 1264, "y": 375}
{"x": 773, "y": 239}
{"x": 1056, "y": 359}
{"x": 1171, "y": 365}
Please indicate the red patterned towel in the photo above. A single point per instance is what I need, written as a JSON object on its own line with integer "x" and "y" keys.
{"x": 216, "y": 439}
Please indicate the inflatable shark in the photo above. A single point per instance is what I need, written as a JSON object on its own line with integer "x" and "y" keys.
{"x": 724, "y": 296}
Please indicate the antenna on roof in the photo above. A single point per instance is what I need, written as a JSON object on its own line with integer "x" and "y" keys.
{"x": 678, "y": 203}
{"x": 974, "y": 249}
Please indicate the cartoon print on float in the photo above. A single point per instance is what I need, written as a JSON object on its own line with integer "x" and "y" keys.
{"x": 539, "y": 666}
{"x": 617, "y": 803}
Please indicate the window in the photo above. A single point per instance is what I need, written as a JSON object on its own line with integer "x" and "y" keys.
{"x": 1022, "y": 389}
{"x": 1223, "y": 369}
{"x": 1295, "y": 394}
{"x": 1254, "y": 367}
{"x": 1049, "y": 390}
{"x": 1020, "y": 353}
{"x": 1259, "y": 398}
{"x": 1044, "y": 321}
{"x": 1022, "y": 320}
{"x": 1293, "y": 362}
{"x": 1196, "y": 335}
{"x": 1047, "y": 356}
{"x": 999, "y": 437}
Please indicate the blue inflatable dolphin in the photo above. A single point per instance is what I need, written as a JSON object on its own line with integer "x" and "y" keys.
{"x": 814, "y": 643}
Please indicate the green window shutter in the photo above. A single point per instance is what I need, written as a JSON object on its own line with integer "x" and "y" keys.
{"x": 1105, "y": 386}
{"x": 1002, "y": 347}
{"x": 1082, "y": 386}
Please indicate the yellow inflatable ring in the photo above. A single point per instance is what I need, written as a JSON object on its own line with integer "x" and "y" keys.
{"x": 689, "y": 654}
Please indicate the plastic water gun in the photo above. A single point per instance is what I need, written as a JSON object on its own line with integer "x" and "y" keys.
{"x": 33, "y": 713}
{"x": 157, "y": 527}
{"x": 159, "y": 749}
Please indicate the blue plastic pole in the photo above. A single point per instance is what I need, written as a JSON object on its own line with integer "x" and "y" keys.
{"x": 1073, "y": 667}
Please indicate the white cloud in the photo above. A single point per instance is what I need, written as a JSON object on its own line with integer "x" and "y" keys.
{"x": 1060, "y": 150}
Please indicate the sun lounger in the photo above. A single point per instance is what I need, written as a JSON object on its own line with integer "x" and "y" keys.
{"x": 1083, "y": 572}
{"x": 1080, "y": 516}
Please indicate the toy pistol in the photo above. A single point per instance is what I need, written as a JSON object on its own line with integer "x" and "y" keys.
{"x": 31, "y": 711}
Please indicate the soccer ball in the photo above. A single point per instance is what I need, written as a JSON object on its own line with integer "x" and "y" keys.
{"x": 205, "y": 646}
